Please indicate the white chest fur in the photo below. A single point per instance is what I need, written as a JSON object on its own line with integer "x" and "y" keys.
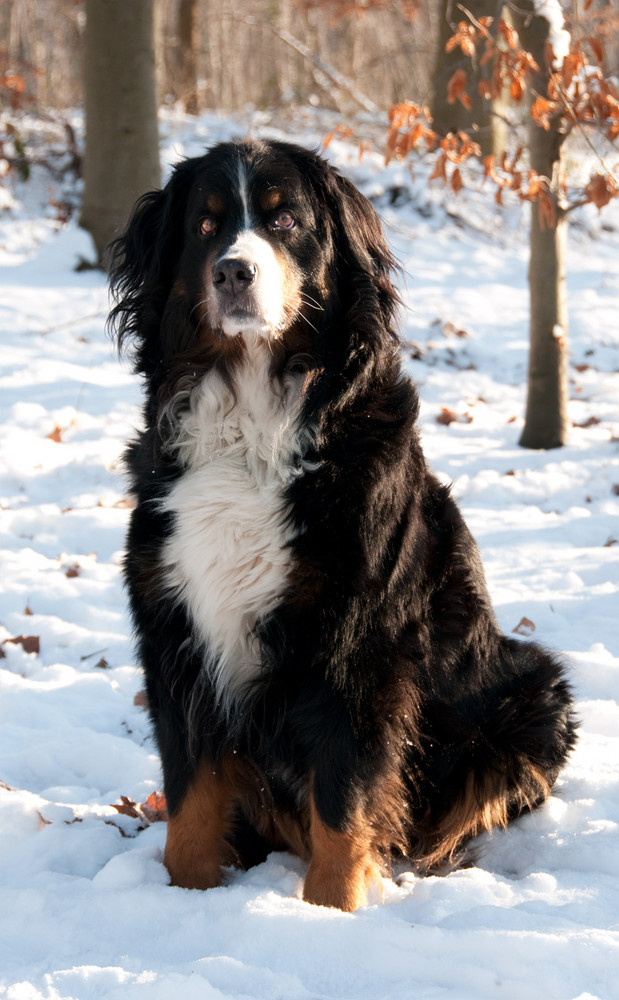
{"x": 227, "y": 557}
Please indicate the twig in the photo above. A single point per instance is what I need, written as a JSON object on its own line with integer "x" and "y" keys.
{"x": 333, "y": 74}
{"x": 580, "y": 127}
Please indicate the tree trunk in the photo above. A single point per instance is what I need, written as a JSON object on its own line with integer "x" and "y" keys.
{"x": 187, "y": 69}
{"x": 546, "y": 421}
{"x": 455, "y": 117}
{"x": 122, "y": 144}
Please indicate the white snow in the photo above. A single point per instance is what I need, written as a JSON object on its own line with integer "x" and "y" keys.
{"x": 85, "y": 908}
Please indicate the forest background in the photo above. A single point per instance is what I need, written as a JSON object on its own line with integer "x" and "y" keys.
{"x": 448, "y": 75}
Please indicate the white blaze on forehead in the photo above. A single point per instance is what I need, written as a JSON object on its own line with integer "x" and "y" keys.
{"x": 244, "y": 195}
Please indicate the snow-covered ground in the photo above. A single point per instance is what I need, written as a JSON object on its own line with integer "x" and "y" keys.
{"x": 85, "y": 908}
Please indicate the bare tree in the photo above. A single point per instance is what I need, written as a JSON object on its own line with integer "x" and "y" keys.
{"x": 122, "y": 143}
{"x": 546, "y": 419}
{"x": 538, "y": 62}
{"x": 187, "y": 54}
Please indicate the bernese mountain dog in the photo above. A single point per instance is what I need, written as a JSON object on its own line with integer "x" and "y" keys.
{"x": 324, "y": 671}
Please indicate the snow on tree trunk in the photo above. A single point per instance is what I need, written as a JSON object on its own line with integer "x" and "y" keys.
{"x": 122, "y": 144}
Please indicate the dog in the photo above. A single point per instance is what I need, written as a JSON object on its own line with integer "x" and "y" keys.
{"x": 324, "y": 671}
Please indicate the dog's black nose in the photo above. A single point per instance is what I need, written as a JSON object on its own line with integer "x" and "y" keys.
{"x": 234, "y": 276}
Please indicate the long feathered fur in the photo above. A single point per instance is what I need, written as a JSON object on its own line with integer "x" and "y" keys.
{"x": 369, "y": 708}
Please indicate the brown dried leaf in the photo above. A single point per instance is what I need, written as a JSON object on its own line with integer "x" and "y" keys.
{"x": 524, "y": 627}
{"x": 447, "y": 416}
{"x": 600, "y": 190}
{"x": 465, "y": 36}
{"x": 542, "y": 110}
{"x": 440, "y": 169}
{"x": 597, "y": 48}
{"x": 456, "y": 89}
{"x": 56, "y": 435}
{"x": 590, "y": 422}
{"x": 126, "y": 807}
{"x": 456, "y": 181}
{"x": 516, "y": 89}
{"x": 509, "y": 33}
{"x": 572, "y": 63}
{"x": 141, "y": 699}
{"x": 29, "y": 643}
{"x": 155, "y": 809}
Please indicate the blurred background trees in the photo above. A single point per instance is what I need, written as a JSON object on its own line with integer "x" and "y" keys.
{"x": 121, "y": 156}
{"x": 224, "y": 54}
{"x": 237, "y": 51}
{"x": 430, "y": 61}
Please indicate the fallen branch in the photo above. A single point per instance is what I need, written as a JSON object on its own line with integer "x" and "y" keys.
{"x": 341, "y": 81}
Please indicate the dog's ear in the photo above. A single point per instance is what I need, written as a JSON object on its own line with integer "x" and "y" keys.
{"x": 141, "y": 262}
{"x": 364, "y": 261}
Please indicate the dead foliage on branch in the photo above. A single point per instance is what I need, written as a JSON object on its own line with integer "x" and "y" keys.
{"x": 339, "y": 9}
{"x": 578, "y": 96}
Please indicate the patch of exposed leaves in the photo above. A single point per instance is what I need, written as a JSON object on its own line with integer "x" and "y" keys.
{"x": 153, "y": 810}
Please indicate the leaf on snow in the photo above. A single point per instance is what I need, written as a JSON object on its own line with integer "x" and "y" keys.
{"x": 447, "y": 416}
{"x": 141, "y": 699}
{"x": 126, "y": 807}
{"x": 524, "y": 627}
{"x": 590, "y": 422}
{"x": 155, "y": 809}
{"x": 29, "y": 643}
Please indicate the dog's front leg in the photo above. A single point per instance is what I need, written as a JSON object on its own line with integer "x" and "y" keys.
{"x": 344, "y": 863}
{"x": 196, "y": 828}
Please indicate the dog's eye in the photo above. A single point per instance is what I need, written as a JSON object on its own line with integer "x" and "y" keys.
{"x": 285, "y": 220}
{"x": 207, "y": 226}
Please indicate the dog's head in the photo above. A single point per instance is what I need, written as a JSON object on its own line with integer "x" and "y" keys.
{"x": 254, "y": 238}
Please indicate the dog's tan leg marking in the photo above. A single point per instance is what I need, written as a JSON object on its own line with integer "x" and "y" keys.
{"x": 343, "y": 864}
{"x": 195, "y": 835}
